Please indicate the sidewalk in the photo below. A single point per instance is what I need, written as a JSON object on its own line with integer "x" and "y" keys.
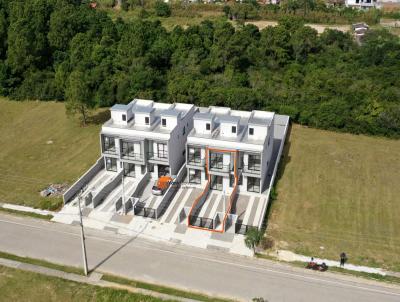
{"x": 93, "y": 279}
{"x": 289, "y": 256}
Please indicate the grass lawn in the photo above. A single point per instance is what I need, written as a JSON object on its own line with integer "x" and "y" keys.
{"x": 40, "y": 146}
{"x": 17, "y": 285}
{"x": 339, "y": 192}
{"x": 179, "y": 17}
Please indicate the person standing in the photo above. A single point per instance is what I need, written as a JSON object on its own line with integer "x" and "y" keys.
{"x": 343, "y": 259}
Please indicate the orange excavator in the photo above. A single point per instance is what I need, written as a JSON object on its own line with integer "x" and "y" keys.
{"x": 161, "y": 185}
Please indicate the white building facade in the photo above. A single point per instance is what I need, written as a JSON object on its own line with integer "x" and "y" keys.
{"x": 145, "y": 136}
{"x": 363, "y": 4}
{"x": 228, "y": 147}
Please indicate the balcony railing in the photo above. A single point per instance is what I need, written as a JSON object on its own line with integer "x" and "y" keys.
{"x": 252, "y": 168}
{"x": 159, "y": 155}
{"x": 111, "y": 150}
{"x": 196, "y": 161}
{"x": 219, "y": 166}
{"x": 132, "y": 156}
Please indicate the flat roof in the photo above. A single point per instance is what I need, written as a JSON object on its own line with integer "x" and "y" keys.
{"x": 229, "y": 118}
{"x": 142, "y": 109}
{"x": 120, "y": 107}
{"x": 170, "y": 112}
{"x": 207, "y": 116}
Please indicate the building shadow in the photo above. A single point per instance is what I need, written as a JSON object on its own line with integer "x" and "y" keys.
{"x": 115, "y": 251}
{"x": 100, "y": 117}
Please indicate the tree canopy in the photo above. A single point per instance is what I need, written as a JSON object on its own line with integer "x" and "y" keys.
{"x": 65, "y": 50}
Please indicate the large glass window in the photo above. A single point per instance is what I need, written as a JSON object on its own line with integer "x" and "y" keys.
{"x": 253, "y": 184}
{"x": 111, "y": 164}
{"x": 108, "y": 144}
{"x": 194, "y": 176}
{"x": 128, "y": 150}
{"x": 194, "y": 155}
{"x": 162, "y": 150}
{"x": 254, "y": 162}
{"x": 216, "y": 160}
{"x": 129, "y": 169}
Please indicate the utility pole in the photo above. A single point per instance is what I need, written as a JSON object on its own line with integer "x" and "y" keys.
{"x": 85, "y": 266}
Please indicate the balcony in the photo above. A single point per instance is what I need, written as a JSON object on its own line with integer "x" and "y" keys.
{"x": 196, "y": 161}
{"x": 110, "y": 150}
{"x": 132, "y": 156}
{"x": 159, "y": 156}
{"x": 252, "y": 168}
{"x": 218, "y": 166}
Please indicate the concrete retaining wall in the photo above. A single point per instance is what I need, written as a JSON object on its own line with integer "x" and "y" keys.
{"x": 99, "y": 197}
{"x": 141, "y": 184}
{"x": 271, "y": 183}
{"x": 83, "y": 181}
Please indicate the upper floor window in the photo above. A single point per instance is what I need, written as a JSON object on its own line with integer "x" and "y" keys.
{"x": 108, "y": 144}
{"x": 163, "y": 122}
{"x": 208, "y": 126}
{"x": 184, "y": 130}
{"x": 147, "y": 120}
{"x": 124, "y": 117}
{"x": 251, "y": 131}
{"x": 233, "y": 129}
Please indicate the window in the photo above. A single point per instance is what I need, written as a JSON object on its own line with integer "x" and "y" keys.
{"x": 163, "y": 122}
{"x": 216, "y": 161}
{"x": 111, "y": 164}
{"x": 147, "y": 120}
{"x": 254, "y": 162}
{"x": 251, "y": 131}
{"x": 194, "y": 155}
{"x": 208, "y": 126}
{"x": 233, "y": 129}
{"x": 143, "y": 169}
{"x": 108, "y": 144}
{"x": 194, "y": 176}
{"x": 253, "y": 184}
{"x": 129, "y": 170}
{"x": 269, "y": 140}
{"x": 184, "y": 130}
{"x": 162, "y": 150}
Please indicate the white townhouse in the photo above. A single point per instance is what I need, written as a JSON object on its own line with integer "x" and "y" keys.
{"x": 363, "y": 4}
{"x": 225, "y": 144}
{"x": 145, "y": 136}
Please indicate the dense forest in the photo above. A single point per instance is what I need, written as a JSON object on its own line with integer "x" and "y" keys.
{"x": 65, "y": 50}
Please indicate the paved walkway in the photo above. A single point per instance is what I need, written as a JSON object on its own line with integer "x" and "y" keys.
{"x": 289, "y": 256}
{"x": 93, "y": 279}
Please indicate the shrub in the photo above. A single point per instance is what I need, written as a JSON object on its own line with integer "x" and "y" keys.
{"x": 162, "y": 9}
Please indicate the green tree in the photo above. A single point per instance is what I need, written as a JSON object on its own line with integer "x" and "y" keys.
{"x": 78, "y": 96}
{"x": 162, "y": 9}
{"x": 253, "y": 238}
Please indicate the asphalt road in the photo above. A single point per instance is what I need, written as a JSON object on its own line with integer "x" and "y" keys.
{"x": 211, "y": 272}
